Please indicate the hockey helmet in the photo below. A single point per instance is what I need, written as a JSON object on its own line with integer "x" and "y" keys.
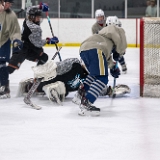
{"x": 100, "y": 13}
{"x": 112, "y": 20}
{"x": 33, "y": 13}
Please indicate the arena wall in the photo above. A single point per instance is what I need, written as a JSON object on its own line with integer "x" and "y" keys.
{"x": 71, "y": 32}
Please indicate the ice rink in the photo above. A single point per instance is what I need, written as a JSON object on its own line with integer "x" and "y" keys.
{"x": 128, "y": 127}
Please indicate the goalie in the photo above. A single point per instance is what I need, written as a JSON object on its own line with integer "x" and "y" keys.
{"x": 69, "y": 74}
{"x": 66, "y": 77}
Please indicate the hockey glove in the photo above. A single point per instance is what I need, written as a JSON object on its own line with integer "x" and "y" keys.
{"x": 17, "y": 46}
{"x": 44, "y": 7}
{"x": 115, "y": 72}
{"x": 52, "y": 40}
{"x": 116, "y": 55}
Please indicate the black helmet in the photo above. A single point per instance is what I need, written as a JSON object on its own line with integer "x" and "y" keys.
{"x": 35, "y": 12}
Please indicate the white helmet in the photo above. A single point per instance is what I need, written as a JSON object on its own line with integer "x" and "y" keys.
{"x": 112, "y": 20}
{"x": 100, "y": 13}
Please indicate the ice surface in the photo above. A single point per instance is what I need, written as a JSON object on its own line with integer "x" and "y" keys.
{"x": 127, "y": 129}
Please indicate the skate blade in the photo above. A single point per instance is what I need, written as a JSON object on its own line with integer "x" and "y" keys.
{"x": 88, "y": 113}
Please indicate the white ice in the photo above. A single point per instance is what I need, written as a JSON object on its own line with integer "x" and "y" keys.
{"x": 127, "y": 129}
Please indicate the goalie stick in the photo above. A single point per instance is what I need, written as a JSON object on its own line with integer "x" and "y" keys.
{"x": 49, "y": 22}
{"x": 27, "y": 98}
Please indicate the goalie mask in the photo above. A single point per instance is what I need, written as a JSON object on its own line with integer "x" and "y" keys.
{"x": 100, "y": 17}
{"x": 35, "y": 15}
{"x": 112, "y": 20}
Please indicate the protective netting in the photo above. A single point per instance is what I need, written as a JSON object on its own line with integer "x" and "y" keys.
{"x": 151, "y": 57}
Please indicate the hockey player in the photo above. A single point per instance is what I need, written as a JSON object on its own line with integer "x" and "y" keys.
{"x": 68, "y": 71}
{"x": 9, "y": 32}
{"x": 95, "y": 52}
{"x": 33, "y": 43}
{"x": 113, "y": 20}
{"x": 100, "y": 21}
{"x": 32, "y": 39}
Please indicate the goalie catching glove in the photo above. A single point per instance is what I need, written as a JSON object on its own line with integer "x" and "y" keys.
{"x": 55, "y": 92}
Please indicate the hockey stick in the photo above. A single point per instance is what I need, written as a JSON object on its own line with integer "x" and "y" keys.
{"x": 114, "y": 83}
{"x": 49, "y": 22}
{"x": 27, "y": 98}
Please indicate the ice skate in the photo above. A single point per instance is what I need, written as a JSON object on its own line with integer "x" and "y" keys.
{"x": 77, "y": 99}
{"x": 4, "y": 92}
{"x": 87, "y": 108}
{"x": 79, "y": 94}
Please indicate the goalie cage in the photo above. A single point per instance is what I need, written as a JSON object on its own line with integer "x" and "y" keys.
{"x": 150, "y": 57}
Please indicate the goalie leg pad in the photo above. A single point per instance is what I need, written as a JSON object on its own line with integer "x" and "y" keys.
{"x": 24, "y": 86}
{"x": 55, "y": 92}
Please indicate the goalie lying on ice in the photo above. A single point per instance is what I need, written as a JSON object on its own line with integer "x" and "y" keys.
{"x": 69, "y": 75}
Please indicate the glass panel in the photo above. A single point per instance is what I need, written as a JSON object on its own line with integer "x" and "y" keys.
{"x": 53, "y": 5}
{"x": 16, "y": 7}
{"x": 53, "y": 8}
{"x": 110, "y": 8}
{"x": 137, "y": 8}
{"x": 75, "y": 9}
{"x": 152, "y": 9}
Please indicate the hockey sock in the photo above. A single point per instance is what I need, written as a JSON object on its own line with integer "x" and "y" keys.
{"x": 3, "y": 73}
{"x": 88, "y": 81}
{"x": 96, "y": 88}
{"x": 121, "y": 60}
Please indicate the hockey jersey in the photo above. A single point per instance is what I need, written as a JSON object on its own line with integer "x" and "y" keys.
{"x": 9, "y": 27}
{"x": 105, "y": 40}
{"x": 96, "y": 27}
{"x": 32, "y": 34}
